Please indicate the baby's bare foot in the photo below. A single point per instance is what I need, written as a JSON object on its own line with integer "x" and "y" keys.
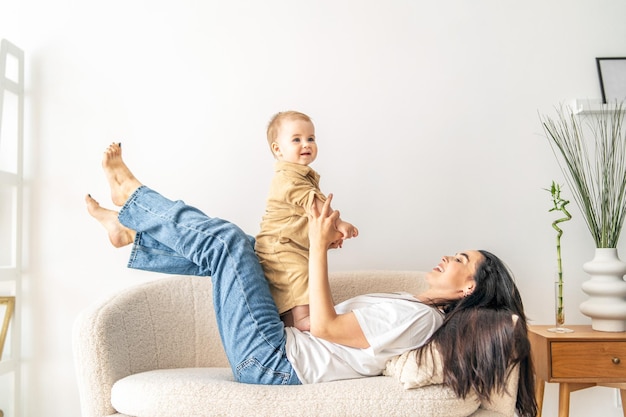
{"x": 122, "y": 182}
{"x": 119, "y": 235}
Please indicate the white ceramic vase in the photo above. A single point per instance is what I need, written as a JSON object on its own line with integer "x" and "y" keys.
{"x": 606, "y": 290}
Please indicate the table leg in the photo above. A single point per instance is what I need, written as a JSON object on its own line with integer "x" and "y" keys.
{"x": 565, "y": 389}
{"x": 622, "y": 394}
{"x": 564, "y": 399}
{"x": 540, "y": 385}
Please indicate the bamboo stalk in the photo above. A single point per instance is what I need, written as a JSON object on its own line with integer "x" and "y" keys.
{"x": 559, "y": 205}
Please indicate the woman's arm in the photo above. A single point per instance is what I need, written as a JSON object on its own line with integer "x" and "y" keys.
{"x": 325, "y": 322}
{"x": 346, "y": 230}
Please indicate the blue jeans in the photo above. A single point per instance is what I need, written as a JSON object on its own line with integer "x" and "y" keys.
{"x": 175, "y": 238}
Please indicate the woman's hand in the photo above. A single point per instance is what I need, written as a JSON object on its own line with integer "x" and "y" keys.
{"x": 322, "y": 230}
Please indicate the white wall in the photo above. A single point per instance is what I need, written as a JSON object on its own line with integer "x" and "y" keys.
{"x": 426, "y": 116}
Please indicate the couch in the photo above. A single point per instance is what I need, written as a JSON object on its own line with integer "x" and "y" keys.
{"x": 154, "y": 350}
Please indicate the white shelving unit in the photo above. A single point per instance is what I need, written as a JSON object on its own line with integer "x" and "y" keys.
{"x": 587, "y": 107}
{"x": 11, "y": 230}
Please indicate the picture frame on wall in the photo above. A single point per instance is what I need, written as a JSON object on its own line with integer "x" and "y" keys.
{"x": 7, "y": 306}
{"x": 612, "y": 74}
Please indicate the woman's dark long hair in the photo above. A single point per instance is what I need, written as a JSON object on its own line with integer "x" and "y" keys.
{"x": 480, "y": 342}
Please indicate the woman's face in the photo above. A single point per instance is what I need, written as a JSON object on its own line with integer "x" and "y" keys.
{"x": 455, "y": 273}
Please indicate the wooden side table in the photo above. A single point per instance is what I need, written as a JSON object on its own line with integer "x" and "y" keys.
{"x": 582, "y": 359}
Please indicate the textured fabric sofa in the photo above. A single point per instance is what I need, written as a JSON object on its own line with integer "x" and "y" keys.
{"x": 153, "y": 350}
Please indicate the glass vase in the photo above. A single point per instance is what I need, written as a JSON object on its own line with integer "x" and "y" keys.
{"x": 559, "y": 309}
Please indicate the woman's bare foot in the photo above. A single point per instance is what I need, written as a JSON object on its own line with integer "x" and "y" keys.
{"x": 119, "y": 235}
{"x": 122, "y": 182}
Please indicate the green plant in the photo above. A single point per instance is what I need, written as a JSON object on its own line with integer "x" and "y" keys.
{"x": 595, "y": 169}
{"x": 559, "y": 205}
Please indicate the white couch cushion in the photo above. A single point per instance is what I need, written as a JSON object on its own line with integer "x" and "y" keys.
{"x": 196, "y": 392}
{"x": 405, "y": 369}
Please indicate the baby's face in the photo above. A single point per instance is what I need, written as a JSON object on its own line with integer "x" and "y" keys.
{"x": 295, "y": 142}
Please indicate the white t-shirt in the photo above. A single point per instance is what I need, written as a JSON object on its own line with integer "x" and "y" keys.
{"x": 392, "y": 323}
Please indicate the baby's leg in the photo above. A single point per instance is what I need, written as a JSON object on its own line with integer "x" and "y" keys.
{"x": 118, "y": 235}
{"x": 300, "y": 317}
{"x": 287, "y": 318}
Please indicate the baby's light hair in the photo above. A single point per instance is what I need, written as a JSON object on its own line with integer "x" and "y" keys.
{"x": 276, "y": 121}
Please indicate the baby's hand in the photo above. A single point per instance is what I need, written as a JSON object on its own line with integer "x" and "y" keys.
{"x": 336, "y": 244}
{"x": 352, "y": 232}
{"x": 347, "y": 230}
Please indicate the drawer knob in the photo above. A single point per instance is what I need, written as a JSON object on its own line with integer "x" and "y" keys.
{"x": 616, "y": 361}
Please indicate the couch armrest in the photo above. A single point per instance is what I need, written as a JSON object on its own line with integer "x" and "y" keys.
{"x": 162, "y": 324}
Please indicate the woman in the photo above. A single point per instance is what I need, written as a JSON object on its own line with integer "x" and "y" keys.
{"x": 351, "y": 340}
{"x": 480, "y": 341}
